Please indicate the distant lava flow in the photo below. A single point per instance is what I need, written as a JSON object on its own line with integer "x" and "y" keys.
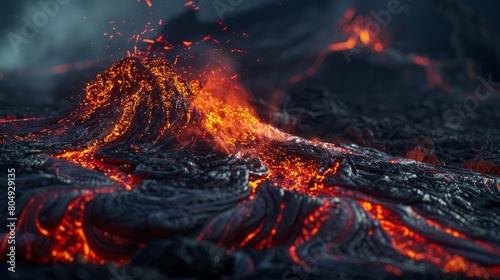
{"x": 148, "y": 156}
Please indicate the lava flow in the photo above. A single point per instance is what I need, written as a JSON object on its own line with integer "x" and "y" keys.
{"x": 147, "y": 156}
{"x": 358, "y": 35}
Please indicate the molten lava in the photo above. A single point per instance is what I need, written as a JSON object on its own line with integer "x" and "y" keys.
{"x": 356, "y": 30}
{"x": 141, "y": 121}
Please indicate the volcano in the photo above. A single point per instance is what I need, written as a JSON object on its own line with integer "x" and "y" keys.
{"x": 184, "y": 179}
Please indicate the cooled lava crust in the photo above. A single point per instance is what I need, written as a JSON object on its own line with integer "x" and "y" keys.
{"x": 151, "y": 172}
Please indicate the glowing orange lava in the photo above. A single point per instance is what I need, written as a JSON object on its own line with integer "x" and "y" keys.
{"x": 358, "y": 35}
{"x": 216, "y": 112}
{"x": 417, "y": 247}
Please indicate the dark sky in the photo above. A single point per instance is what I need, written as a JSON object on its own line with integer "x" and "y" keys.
{"x": 78, "y": 27}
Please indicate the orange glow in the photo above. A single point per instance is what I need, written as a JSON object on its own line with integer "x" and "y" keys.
{"x": 364, "y": 35}
{"x": 61, "y": 69}
{"x": 422, "y": 61}
{"x": 356, "y": 30}
{"x": 431, "y": 71}
{"x": 311, "y": 226}
{"x": 347, "y": 45}
{"x": 417, "y": 247}
{"x": 218, "y": 112}
{"x": 149, "y": 41}
{"x": 71, "y": 238}
{"x": 229, "y": 118}
{"x": 393, "y": 269}
{"x": 294, "y": 172}
{"x": 358, "y": 36}
{"x": 349, "y": 14}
